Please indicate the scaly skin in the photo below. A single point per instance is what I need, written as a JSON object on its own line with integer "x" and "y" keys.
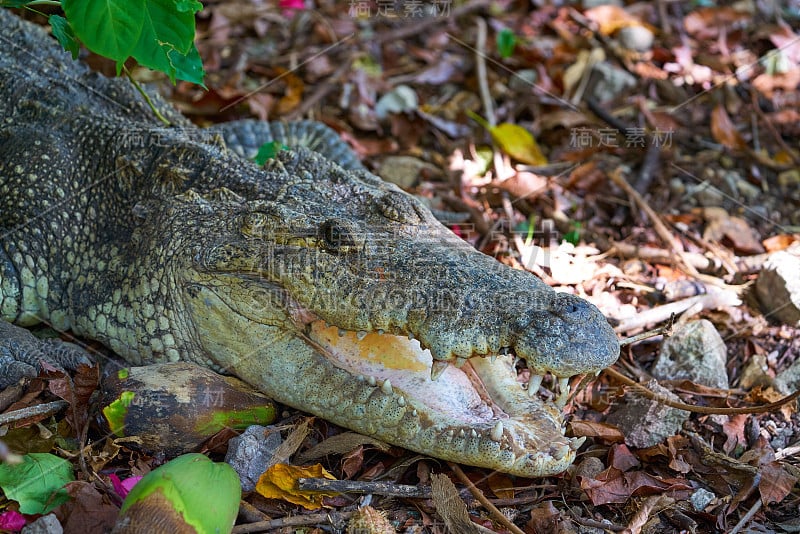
{"x": 165, "y": 245}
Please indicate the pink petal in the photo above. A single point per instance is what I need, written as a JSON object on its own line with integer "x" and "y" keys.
{"x": 12, "y": 520}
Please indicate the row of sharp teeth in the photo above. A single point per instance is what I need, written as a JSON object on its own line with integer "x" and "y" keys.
{"x": 495, "y": 434}
{"x": 439, "y": 367}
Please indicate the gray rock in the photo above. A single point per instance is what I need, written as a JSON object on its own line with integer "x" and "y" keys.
{"x": 608, "y": 81}
{"x": 404, "y": 171}
{"x": 251, "y": 453}
{"x": 694, "y": 352}
{"x": 636, "y": 38}
{"x": 778, "y": 286}
{"x": 701, "y": 498}
{"x": 47, "y": 524}
{"x": 645, "y": 422}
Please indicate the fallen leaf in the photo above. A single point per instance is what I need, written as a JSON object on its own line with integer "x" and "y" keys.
{"x": 724, "y": 131}
{"x": 611, "y": 18}
{"x": 779, "y": 242}
{"x": 592, "y": 429}
{"x": 501, "y": 485}
{"x": 280, "y": 482}
{"x": 518, "y": 143}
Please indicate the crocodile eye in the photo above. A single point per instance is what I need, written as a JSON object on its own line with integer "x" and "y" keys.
{"x": 337, "y": 236}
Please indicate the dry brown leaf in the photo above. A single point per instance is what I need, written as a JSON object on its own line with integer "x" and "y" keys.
{"x": 606, "y": 432}
{"x": 724, "y": 130}
{"x": 611, "y": 18}
{"x": 501, "y": 485}
{"x": 733, "y": 231}
{"x": 280, "y": 482}
{"x": 779, "y": 242}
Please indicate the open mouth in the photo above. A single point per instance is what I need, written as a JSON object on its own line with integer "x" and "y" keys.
{"x": 474, "y": 411}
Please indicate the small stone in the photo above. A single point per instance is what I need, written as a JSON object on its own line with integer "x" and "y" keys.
{"x": 607, "y": 81}
{"x": 251, "y": 453}
{"x": 47, "y": 524}
{"x": 404, "y": 171}
{"x": 636, "y": 38}
{"x": 696, "y": 352}
{"x": 701, "y": 498}
{"x": 645, "y": 422}
{"x": 589, "y": 467}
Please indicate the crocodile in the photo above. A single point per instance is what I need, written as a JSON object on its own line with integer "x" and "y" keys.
{"x": 309, "y": 278}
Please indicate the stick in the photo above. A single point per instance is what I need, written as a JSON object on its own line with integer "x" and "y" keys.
{"x": 357, "y": 486}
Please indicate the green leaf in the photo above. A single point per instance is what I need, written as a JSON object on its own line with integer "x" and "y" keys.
{"x": 37, "y": 483}
{"x": 267, "y": 151}
{"x": 574, "y": 235}
{"x": 63, "y": 32}
{"x": 166, "y": 42}
{"x": 110, "y": 28}
{"x": 189, "y": 66}
{"x": 506, "y": 41}
{"x": 188, "y": 5}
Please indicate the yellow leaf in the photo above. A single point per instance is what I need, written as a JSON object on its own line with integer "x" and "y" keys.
{"x": 518, "y": 143}
{"x": 280, "y": 482}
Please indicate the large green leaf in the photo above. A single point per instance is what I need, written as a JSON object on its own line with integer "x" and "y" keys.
{"x": 110, "y": 28}
{"x": 37, "y": 483}
{"x": 167, "y": 41}
{"x": 63, "y": 32}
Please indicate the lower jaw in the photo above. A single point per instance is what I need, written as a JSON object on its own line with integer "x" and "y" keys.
{"x": 479, "y": 415}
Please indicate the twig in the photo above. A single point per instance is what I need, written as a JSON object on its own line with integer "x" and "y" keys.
{"x": 480, "y": 66}
{"x": 293, "y": 521}
{"x": 357, "y": 486}
{"x": 747, "y": 517}
{"x": 710, "y": 301}
{"x": 764, "y": 408}
{"x": 48, "y": 408}
{"x": 497, "y": 515}
{"x": 660, "y": 331}
{"x": 146, "y": 97}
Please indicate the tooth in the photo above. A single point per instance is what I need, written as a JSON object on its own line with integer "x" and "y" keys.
{"x": 401, "y": 401}
{"x": 386, "y": 387}
{"x": 414, "y": 412}
{"x": 493, "y": 357}
{"x": 460, "y": 362}
{"x": 534, "y": 383}
{"x": 361, "y": 334}
{"x": 371, "y": 381}
{"x": 561, "y": 451}
{"x": 437, "y": 369}
{"x": 360, "y": 378}
{"x": 380, "y": 331}
{"x": 411, "y": 336}
{"x": 497, "y": 431}
{"x": 342, "y": 332}
{"x": 575, "y": 443}
{"x": 449, "y": 434}
{"x": 563, "y": 392}
{"x": 461, "y": 433}
{"x": 473, "y": 433}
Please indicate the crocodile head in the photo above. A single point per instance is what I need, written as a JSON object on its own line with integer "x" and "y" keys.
{"x": 344, "y": 297}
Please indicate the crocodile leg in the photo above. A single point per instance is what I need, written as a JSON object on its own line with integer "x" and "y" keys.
{"x": 244, "y": 137}
{"x": 22, "y": 354}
